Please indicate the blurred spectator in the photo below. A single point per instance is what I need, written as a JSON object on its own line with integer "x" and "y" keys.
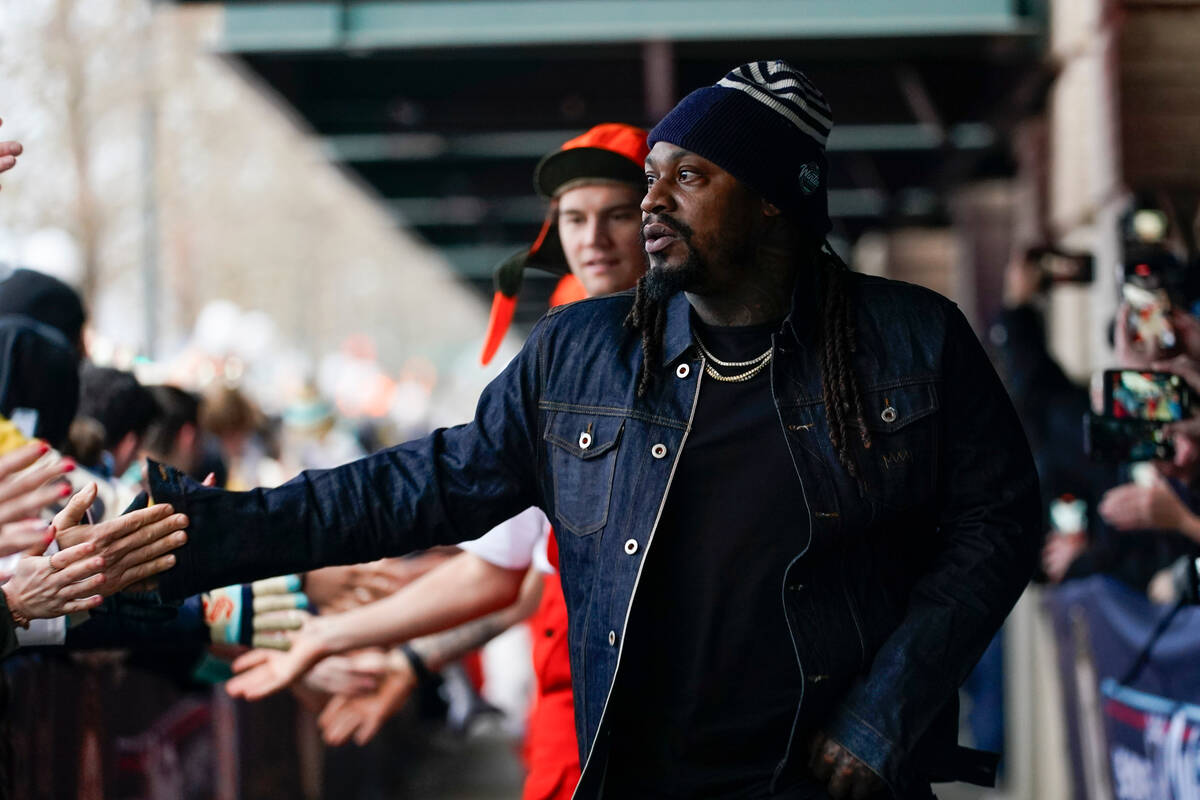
{"x": 1135, "y": 533}
{"x": 235, "y": 420}
{"x": 41, "y": 326}
{"x": 1050, "y": 404}
{"x": 313, "y": 437}
{"x": 174, "y": 437}
{"x": 45, "y": 299}
{"x": 124, "y": 407}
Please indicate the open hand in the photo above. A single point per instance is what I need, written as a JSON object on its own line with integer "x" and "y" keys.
{"x": 361, "y": 716}
{"x": 1131, "y": 507}
{"x": 349, "y": 674}
{"x": 68, "y": 581}
{"x": 1060, "y": 552}
{"x": 844, "y": 775}
{"x": 135, "y": 546}
{"x": 26, "y": 489}
{"x": 265, "y": 671}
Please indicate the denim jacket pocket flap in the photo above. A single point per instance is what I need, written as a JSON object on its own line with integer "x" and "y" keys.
{"x": 583, "y": 458}
{"x": 891, "y": 409}
{"x": 586, "y": 440}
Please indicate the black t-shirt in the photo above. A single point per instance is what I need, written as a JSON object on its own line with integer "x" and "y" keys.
{"x": 709, "y": 685}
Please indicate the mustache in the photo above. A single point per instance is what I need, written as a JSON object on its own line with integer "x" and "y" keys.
{"x": 681, "y": 228}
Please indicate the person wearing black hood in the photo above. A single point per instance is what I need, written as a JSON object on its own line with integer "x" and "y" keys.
{"x": 41, "y": 345}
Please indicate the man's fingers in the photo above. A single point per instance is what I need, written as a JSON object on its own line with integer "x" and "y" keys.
{"x": 135, "y": 522}
{"x": 131, "y": 548}
{"x": 13, "y": 149}
{"x": 149, "y": 552}
{"x": 76, "y": 507}
{"x": 141, "y": 572}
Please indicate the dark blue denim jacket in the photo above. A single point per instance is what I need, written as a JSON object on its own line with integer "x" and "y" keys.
{"x": 897, "y": 592}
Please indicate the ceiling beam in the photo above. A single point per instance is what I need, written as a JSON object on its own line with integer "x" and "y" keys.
{"x": 386, "y": 147}
{"x": 409, "y": 24}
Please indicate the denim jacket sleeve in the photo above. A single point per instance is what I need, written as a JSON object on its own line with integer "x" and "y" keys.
{"x": 988, "y": 540}
{"x": 451, "y": 486}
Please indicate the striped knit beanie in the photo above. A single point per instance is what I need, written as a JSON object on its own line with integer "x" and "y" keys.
{"x": 766, "y": 124}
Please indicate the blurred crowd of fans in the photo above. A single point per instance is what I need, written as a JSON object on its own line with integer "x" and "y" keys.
{"x": 74, "y": 442}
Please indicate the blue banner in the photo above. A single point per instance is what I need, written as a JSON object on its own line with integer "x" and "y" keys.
{"x": 1151, "y": 727}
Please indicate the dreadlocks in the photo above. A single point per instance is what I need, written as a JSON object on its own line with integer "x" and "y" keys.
{"x": 840, "y": 389}
{"x": 650, "y": 318}
{"x": 839, "y": 384}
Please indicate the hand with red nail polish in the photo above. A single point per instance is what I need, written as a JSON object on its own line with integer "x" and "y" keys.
{"x": 29, "y": 486}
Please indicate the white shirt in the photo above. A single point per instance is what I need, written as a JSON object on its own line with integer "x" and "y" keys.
{"x": 516, "y": 543}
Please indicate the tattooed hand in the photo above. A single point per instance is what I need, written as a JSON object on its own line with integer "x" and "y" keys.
{"x": 844, "y": 776}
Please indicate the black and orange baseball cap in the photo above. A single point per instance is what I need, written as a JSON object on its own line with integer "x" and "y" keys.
{"x": 611, "y": 151}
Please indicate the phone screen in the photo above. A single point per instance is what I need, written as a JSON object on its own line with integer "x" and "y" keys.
{"x": 1125, "y": 440}
{"x": 1152, "y": 396}
{"x": 1149, "y": 316}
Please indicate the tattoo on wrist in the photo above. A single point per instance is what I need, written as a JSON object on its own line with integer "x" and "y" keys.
{"x": 441, "y": 649}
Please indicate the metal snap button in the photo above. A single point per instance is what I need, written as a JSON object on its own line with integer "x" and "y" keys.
{"x": 631, "y": 546}
{"x": 585, "y": 440}
{"x": 659, "y": 450}
{"x": 682, "y": 371}
{"x": 888, "y": 415}
{"x": 612, "y": 638}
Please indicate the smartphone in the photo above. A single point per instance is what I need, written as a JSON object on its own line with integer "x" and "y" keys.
{"x": 1152, "y": 396}
{"x": 1060, "y": 267}
{"x": 1149, "y": 316}
{"x": 1125, "y": 440}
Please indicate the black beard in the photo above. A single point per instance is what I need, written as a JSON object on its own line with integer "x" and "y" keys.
{"x": 662, "y": 282}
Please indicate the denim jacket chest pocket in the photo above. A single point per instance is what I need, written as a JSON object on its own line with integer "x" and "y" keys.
{"x": 901, "y": 464}
{"x": 583, "y": 458}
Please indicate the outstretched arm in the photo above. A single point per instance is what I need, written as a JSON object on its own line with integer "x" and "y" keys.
{"x": 463, "y": 588}
{"x": 451, "y": 486}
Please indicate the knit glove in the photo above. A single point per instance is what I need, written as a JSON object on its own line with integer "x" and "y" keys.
{"x": 259, "y": 614}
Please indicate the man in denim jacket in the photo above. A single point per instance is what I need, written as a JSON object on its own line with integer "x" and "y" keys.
{"x": 840, "y": 499}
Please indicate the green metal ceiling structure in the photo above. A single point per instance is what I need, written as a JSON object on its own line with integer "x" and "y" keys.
{"x": 444, "y": 106}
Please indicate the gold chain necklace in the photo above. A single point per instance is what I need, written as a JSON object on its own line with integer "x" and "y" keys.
{"x": 757, "y": 365}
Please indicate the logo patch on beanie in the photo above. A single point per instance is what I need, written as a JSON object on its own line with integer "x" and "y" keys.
{"x": 810, "y": 178}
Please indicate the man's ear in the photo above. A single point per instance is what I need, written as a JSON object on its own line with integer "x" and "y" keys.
{"x": 769, "y": 209}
